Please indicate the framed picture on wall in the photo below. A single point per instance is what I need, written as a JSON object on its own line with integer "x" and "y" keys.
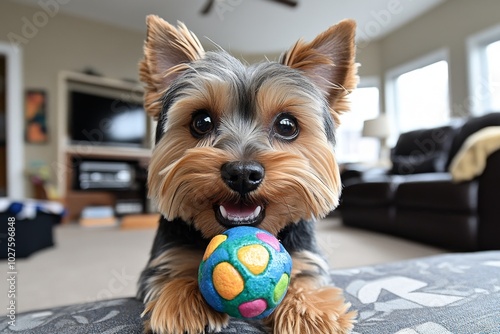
{"x": 35, "y": 116}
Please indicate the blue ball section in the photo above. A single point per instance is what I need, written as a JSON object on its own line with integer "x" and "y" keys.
{"x": 256, "y": 287}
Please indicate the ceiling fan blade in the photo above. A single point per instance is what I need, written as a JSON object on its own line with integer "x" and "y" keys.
{"x": 208, "y": 7}
{"x": 291, "y": 3}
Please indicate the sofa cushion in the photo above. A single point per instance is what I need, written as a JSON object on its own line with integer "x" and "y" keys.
{"x": 414, "y": 164}
{"x": 437, "y": 191}
{"x": 108, "y": 316}
{"x": 451, "y": 293}
{"x": 444, "y": 294}
{"x": 422, "y": 151}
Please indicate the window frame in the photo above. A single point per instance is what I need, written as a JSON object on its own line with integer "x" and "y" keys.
{"x": 367, "y": 82}
{"x": 391, "y": 76}
{"x": 479, "y": 97}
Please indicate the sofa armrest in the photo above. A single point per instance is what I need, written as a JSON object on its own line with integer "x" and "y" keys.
{"x": 354, "y": 173}
{"x": 479, "y": 158}
{"x": 489, "y": 204}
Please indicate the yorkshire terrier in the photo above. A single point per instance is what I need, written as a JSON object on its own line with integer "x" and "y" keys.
{"x": 243, "y": 145}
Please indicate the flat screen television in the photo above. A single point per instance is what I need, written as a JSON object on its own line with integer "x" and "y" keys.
{"x": 104, "y": 120}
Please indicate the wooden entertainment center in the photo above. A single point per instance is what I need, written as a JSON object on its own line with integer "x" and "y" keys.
{"x": 70, "y": 155}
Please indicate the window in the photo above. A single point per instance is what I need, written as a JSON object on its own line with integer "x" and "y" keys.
{"x": 484, "y": 71}
{"x": 422, "y": 97}
{"x": 418, "y": 94}
{"x": 351, "y": 146}
{"x": 493, "y": 69}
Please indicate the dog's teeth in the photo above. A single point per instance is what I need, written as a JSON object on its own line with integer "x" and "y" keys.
{"x": 223, "y": 212}
{"x": 256, "y": 211}
{"x": 238, "y": 218}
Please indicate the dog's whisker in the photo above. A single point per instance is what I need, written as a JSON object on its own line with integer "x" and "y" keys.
{"x": 288, "y": 206}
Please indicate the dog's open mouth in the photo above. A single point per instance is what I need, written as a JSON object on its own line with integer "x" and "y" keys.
{"x": 239, "y": 214}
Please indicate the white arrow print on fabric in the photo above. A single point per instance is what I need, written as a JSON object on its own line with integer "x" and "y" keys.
{"x": 427, "y": 328}
{"x": 492, "y": 263}
{"x": 403, "y": 287}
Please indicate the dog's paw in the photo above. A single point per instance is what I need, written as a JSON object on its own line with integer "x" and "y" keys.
{"x": 180, "y": 309}
{"x": 311, "y": 312}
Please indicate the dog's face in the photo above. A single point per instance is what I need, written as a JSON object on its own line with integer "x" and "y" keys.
{"x": 239, "y": 145}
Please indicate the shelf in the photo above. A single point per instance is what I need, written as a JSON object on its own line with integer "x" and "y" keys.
{"x": 109, "y": 86}
{"x": 100, "y": 81}
{"x": 93, "y": 151}
{"x": 70, "y": 155}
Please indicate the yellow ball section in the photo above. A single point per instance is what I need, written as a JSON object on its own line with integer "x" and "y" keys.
{"x": 254, "y": 257}
{"x": 214, "y": 243}
{"x": 227, "y": 281}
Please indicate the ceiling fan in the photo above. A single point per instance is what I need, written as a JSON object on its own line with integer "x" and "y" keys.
{"x": 208, "y": 7}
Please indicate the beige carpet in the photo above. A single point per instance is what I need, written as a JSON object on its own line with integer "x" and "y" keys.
{"x": 89, "y": 264}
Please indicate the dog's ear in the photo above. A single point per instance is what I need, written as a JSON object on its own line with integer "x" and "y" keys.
{"x": 167, "y": 52}
{"x": 329, "y": 61}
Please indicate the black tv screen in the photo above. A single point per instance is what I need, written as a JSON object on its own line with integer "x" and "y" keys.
{"x": 100, "y": 120}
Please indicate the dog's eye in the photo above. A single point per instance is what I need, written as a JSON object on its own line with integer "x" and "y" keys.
{"x": 286, "y": 127}
{"x": 201, "y": 124}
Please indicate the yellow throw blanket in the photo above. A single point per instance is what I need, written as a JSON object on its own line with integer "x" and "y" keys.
{"x": 470, "y": 160}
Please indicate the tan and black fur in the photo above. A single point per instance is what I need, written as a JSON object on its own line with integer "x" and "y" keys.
{"x": 238, "y": 145}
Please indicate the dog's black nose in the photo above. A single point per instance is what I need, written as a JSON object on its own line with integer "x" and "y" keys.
{"x": 242, "y": 176}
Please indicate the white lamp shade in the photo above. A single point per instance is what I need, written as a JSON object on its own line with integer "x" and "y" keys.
{"x": 377, "y": 127}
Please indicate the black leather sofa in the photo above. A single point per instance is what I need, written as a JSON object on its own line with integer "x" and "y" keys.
{"x": 418, "y": 199}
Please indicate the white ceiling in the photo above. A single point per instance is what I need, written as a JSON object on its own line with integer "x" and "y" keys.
{"x": 253, "y": 26}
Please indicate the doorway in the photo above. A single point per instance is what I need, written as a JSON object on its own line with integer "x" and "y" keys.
{"x": 3, "y": 130}
{"x": 12, "y": 174}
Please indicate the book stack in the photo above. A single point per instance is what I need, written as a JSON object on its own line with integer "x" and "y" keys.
{"x": 142, "y": 221}
{"x": 98, "y": 216}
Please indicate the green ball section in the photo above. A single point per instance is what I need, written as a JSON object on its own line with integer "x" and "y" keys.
{"x": 281, "y": 287}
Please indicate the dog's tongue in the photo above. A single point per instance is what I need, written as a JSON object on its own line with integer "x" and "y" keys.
{"x": 239, "y": 210}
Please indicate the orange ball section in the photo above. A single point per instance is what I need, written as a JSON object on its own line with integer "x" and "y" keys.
{"x": 254, "y": 257}
{"x": 227, "y": 281}
{"x": 214, "y": 243}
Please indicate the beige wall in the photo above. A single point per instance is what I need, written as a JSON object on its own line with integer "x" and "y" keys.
{"x": 67, "y": 43}
{"x": 367, "y": 55}
{"x": 447, "y": 26}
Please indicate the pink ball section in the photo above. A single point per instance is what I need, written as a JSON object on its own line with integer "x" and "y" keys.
{"x": 253, "y": 308}
{"x": 269, "y": 239}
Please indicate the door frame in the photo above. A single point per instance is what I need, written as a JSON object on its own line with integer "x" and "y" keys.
{"x": 14, "y": 120}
